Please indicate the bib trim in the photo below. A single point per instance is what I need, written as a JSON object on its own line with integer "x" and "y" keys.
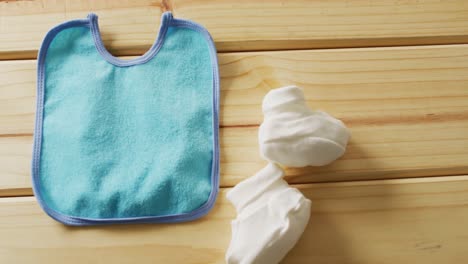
{"x": 94, "y": 26}
{"x": 167, "y": 21}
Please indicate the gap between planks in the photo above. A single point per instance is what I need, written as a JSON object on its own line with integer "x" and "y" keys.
{"x": 28, "y": 192}
{"x": 463, "y": 40}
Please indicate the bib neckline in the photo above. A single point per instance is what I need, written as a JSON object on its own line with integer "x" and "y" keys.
{"x": 106, "y": 55}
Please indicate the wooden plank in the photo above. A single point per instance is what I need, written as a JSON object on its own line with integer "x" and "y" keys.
{"x": 407, "y": 109}
{"x": 129, "y": 27}
{"x": 373, "y": 153}
{"x": 364, "y": 87}
{"x": 391, "y": 221}
{"x": 17, "y": 97}
{"x": 15, "y": 160}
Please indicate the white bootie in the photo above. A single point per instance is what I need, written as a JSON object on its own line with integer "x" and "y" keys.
{"x": 271, "y": 215}
{"x": 271, "y": 218}
{"x": 293, "y": 135}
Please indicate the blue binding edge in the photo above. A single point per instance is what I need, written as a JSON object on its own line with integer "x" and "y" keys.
{"x": 167, "y": 21}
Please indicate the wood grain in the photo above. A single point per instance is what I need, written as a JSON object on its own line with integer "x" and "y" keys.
{"x": 373, "y": 153}
{"x": 364, "y": 87}
{"x": 392, "y": 221}
{"x": 407, "y": 109}
{"x": 130, "y": 27}
{"x": 15, "y": 159}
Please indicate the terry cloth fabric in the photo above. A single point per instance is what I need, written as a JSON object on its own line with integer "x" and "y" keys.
{"x": 293, "y": 135}
{"x": 126, "y": 140}
{"x": 271, "y": 218}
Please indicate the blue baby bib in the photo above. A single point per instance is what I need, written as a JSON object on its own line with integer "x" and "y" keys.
{"x": 120, "y": 141}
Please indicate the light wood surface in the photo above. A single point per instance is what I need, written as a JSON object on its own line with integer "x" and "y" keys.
{"x": 130, "y": 27}
{"x": 392, "y": 221}
{"x": 396, "y": 151}
{"x": 407, "y": 109}
{"x": 363, "y": 87}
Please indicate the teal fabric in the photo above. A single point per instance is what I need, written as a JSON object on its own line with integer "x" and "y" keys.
{"x": 121, "y": 142}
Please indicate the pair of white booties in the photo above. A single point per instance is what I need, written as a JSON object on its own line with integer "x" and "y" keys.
{"x": 271, "y": 215}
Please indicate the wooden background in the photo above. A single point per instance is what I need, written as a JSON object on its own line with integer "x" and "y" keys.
{"x": 396, "y": 72}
